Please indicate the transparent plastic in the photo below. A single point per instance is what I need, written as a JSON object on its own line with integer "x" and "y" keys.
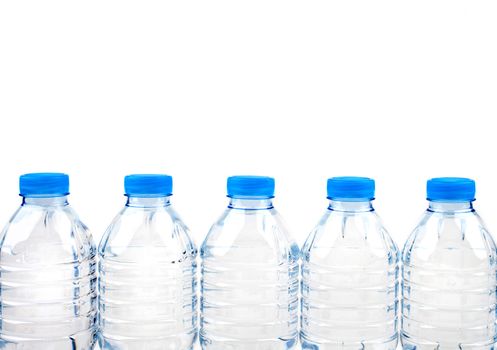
{"x": 147, "y": 282}
{"x": 349, "y": 281}
{"x": 249, "y": 280}
{"x": 48, "y": 280}
{"x": 449, "y": 281}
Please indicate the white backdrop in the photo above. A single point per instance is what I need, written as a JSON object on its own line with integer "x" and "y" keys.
{"x": 300, "y": 90}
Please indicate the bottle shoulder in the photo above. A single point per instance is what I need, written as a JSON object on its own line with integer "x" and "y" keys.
{"x": 258, "y": 232}
{"x": 363, "y": 231}
{"x": 158, "y": 230}
{"x": 459, "y": 238}
{"x": 39, "y": 233}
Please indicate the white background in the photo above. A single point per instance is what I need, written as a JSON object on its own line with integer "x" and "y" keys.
{"x": 300, "y": 90}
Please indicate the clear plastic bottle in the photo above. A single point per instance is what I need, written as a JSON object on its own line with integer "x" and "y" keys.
{"x": 47, "y": 271}
{"x": 249, "y": 274}
{"x": 449, "y": 274}
{"x": 147, "y": 272}
{"x": 349, "y": 274}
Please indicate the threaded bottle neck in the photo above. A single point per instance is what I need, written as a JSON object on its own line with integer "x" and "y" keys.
{"x": 450, "y": 207}
{"x": 251, "y": 204}
{"x": 45, "y": 201}
{"x": 350, "y": 206}
{"x": 148, "y": 202}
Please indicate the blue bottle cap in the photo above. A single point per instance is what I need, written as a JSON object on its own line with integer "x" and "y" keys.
{"x": 351, "y": 188}
{"x": 249, "y": 186}
{"x": 148, "y": 185}
{"x": 44, "y": 185}
{"x": 452, "y": 189}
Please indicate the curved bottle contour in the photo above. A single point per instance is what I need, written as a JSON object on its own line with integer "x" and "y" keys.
{"x": 249, "y": 280}
{"x": 349, "y": 281}
{"x": 147, "y": 279}
{"x": 48, "y": 278}
{"x": 449, "y": 279}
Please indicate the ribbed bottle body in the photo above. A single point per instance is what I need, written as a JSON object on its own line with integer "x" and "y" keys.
{"x": 48, "y": 279}
{"x": 449, "y": 282}
{"x": 249, "y": 283}
{"x": 349, "y": 282}
{"x": 147, "y": 286}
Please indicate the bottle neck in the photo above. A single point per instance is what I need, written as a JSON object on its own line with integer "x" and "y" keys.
{"x": 355, "y": 207}
{"x": 450, "y": 207}
{"x": 251, "y": 204}
{"x": 46, "y": 201}
{"x": 148, "y": 202}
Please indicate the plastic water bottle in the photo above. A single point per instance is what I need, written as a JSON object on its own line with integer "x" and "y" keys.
{"x": 349, "y": 274}
{"x": 147, "y": 272}
{"x": 449, "y": 274}
{"x": 47, "y": 271}
{"x": 249, "y": 274}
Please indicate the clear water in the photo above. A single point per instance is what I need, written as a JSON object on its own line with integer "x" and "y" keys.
{"x": 349, "y": 281}
{"x": 249, "y": 281}
{"x": 47, "y": 276}
{"x": 449, "y": 281}
{"x": 147, "y": 282}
